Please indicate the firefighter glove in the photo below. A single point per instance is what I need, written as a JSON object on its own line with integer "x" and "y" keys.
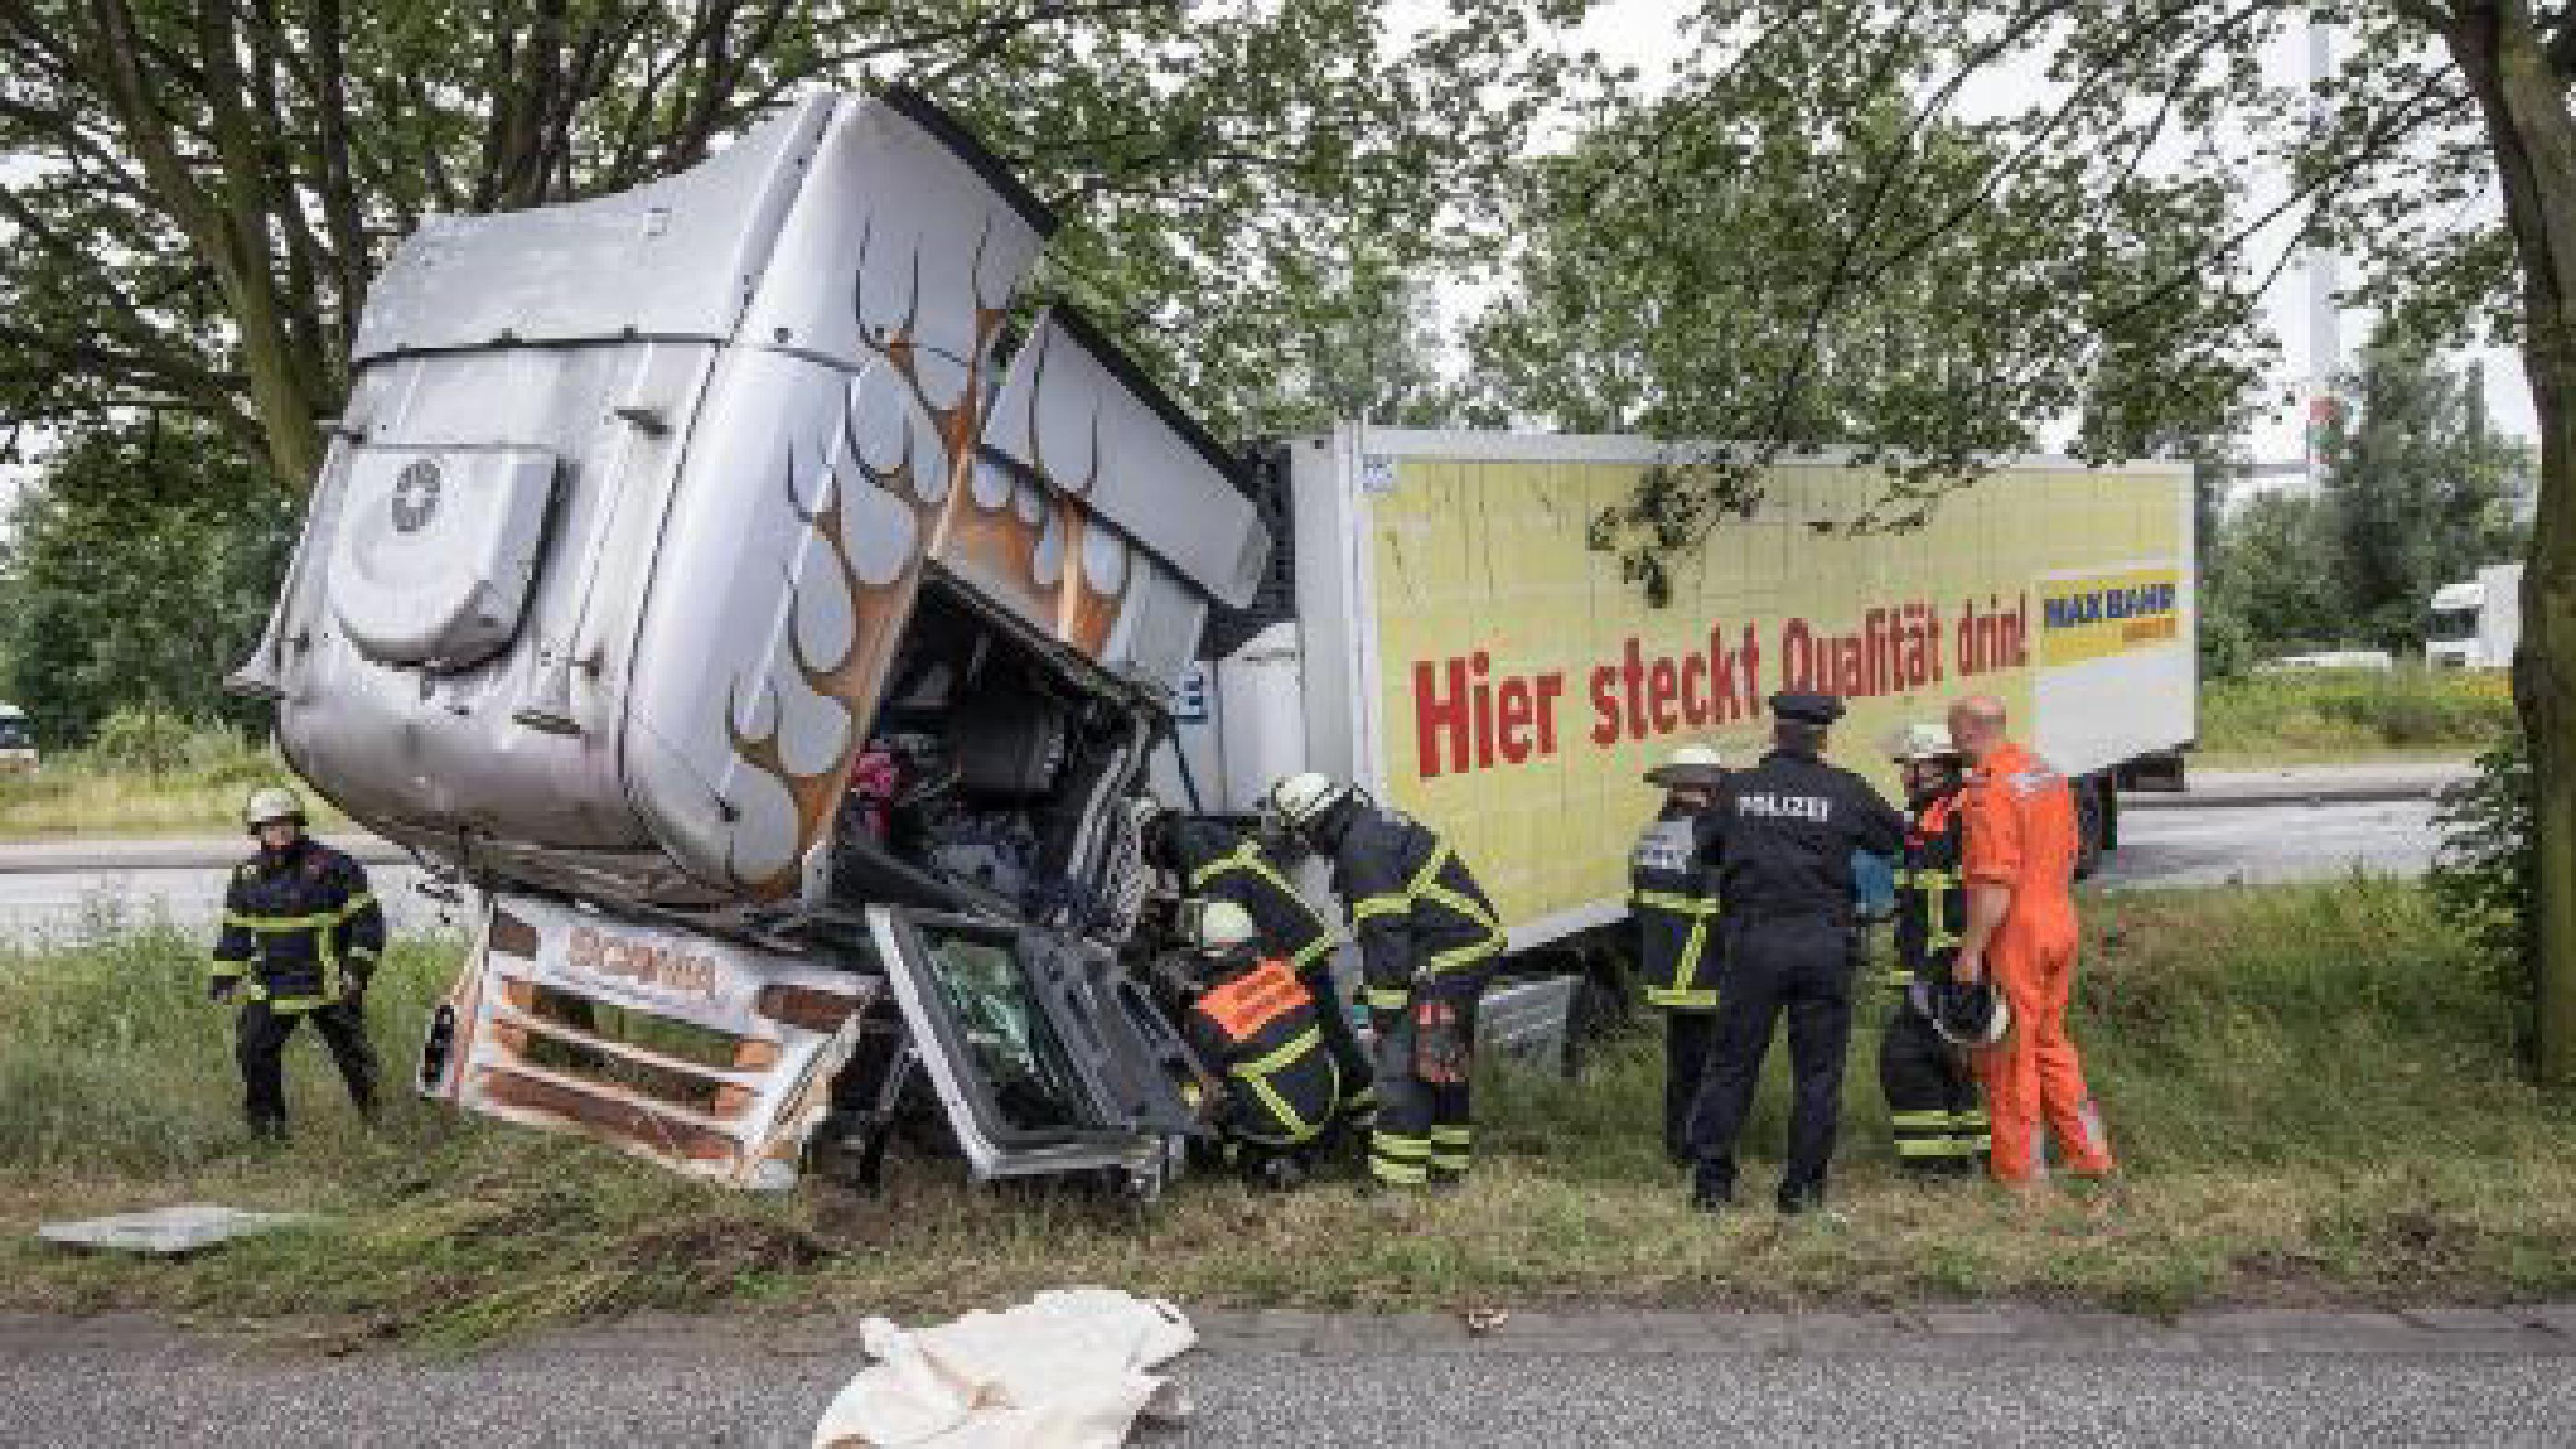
{"x": 1439, "y": 1042}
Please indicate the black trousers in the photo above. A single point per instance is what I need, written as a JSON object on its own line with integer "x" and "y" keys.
{"x": 259, "y": 1042}
{"x": 1687, "y": 1036}
{"x": 1424, "y": 1130}
{"x": 1931, "y": 1098}
{"x": 1800, "y": 967}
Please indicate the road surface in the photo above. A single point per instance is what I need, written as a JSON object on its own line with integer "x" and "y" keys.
{"x": 1988, "y": 1376}
{"x": 2201, "y": 845}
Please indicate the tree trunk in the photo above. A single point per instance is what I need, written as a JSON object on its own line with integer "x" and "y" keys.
{"x": 2525, "y": 109}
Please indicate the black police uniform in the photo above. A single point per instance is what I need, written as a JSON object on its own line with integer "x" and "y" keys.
{"x": 1940, "y": 1126}
{"x": 1672, "y": 879}
{"x": 1787, "y": 829}
{"x": 1217, "y": 862}
{"x": 1428, "y": 936}
{"x": 1258, "y": 1028}
{"x": 301, "y": 935}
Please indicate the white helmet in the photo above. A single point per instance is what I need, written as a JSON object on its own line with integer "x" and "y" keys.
{"x": 1921, "y": 741}
{"x": 1300, "y": 800}
{"x": 271, "y": 803}
{"x": 1218, "y": 927}
{"x": 1689, "y": 765}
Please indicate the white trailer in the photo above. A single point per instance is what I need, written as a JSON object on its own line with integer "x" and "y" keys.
{"x": 1436, "y": 629}
{"x": 2477, "y": 624}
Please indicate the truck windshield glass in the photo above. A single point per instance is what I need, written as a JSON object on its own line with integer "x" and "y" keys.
{"x": 1015, "y": 1047}
{"x": 14, "y": 735}
{"x": 2452, "y": 624}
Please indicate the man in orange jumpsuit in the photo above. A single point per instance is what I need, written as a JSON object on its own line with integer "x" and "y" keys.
{"x": 2020, "y": 869}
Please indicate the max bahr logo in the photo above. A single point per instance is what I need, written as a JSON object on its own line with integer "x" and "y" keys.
{"x": 415, "y": 500}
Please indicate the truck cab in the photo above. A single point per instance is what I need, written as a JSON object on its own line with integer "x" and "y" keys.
{"x": 2476, "y": 624}
{"x": 17, "y": 742}
{"x": 768, "y": 616}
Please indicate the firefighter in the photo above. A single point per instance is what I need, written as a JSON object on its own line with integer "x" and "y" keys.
{"x": 2020, "y": 933}
{"x": 301, "y": 937}
{"x": 1931, "y": 1093}
{"x": 1786, "y": 832}
{"x": 1217, "y": 862}
{"x": 1428, "y": 937}
{"x": 1254, "y": 1024}
{"x": 1672, "y": 877}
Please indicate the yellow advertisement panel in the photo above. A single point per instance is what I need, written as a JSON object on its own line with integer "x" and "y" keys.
{"x": 2094, "y": 616}
{"x": 1524, "y": 686}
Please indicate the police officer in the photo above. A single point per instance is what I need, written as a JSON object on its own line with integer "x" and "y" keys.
{"x": 300, "y": 938}
{"x": 1428, "y": 937}
{"x": 1932, "y": 1099}
{"x": 1214, "y": 861}
{"x": 1253, "y": 1023}
{"x": 1787, "y": 829}
{"x": 1672, "y": 878}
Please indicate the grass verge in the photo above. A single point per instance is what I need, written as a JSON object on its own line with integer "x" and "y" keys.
{"x": 2314, "y": 1099}
{"x": 197, "y": 791}
{"x": 2317, "y": 716}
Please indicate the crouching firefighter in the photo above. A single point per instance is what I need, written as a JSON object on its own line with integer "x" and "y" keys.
{"x": 300, "y": 938}
{"x": 1254, "y": 1025}
{"x": 1215, "y": 862}
{"x": 1428, "y": 938}
{"x": 1672, "y": 878}
{"x": 1932, "y": 1100}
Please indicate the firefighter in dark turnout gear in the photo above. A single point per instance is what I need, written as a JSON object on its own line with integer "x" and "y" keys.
{"x": 1672, "y": 878}
{"x": 1932, "y": 1100}
{"x": 1254, "y": 1024}
{"x": 1216, "y": 862}
{"x": 1787, "y": 829}
{"x": 301, "y": 936}
{"x": 1428, "y": 937}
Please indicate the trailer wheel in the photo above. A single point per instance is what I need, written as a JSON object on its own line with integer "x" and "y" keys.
{"x": 2092, "y": 824}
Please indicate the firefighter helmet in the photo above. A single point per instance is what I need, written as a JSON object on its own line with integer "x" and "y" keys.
{"x": 271, "y": 803}
{"x": 1973, "y": 1015}
{"x": 1219, "y": 928}
{"x": 1921, "y": 741}
{"x": 1302, "y": 799}
{"x": 1690, "y": 765}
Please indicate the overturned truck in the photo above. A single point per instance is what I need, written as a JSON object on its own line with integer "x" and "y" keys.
{"x": 693, "y": 575}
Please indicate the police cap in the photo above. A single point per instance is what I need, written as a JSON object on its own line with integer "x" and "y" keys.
{"x": 1803, "y": 707}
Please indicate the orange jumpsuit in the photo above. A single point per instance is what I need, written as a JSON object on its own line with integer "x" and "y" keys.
{"x": 2022, "y": 836}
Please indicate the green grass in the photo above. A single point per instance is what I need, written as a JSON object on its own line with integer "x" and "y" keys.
{"x": 2321, "y": 715}
{"x": 197, "y": 790}
{"x": 2313, "y": 1098}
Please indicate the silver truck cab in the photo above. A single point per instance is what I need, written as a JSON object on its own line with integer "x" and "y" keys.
{"x": 658, "y": 522}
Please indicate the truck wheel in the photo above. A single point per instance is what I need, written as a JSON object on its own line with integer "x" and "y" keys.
{"x": 2092, "y": 820}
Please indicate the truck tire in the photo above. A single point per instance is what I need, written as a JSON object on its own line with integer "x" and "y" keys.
{"x": 2092, "y": 824}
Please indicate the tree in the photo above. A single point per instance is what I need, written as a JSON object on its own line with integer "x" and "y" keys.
{"x": 143, "y": 553}
{"x": 2278, "y": 576}
{"x": 2415, "y": 488}
{"x": 1742, "y": 259}
{"x": 202, "y": 191}
{"x": 2439, "y": 106}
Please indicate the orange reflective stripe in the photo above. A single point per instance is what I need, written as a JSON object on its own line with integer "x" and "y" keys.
{"x": 1243, "y": 1006}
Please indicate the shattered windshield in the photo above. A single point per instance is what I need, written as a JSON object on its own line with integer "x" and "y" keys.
{"x": 1015, "y": 1048}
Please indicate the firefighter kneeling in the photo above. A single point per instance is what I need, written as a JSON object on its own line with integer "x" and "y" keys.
{"x": 1253, "y": 1023}
{"x": 1932, "y": 1100}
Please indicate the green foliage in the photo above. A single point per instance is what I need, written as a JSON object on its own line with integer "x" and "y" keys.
{"x": 199, "y": 200}
{"x": 2356, "y": 712}
{"x": 2416, "y": 490}
{"x": 142, "y": 566}
{"x": 2486, "y": 879}
{"x": 2276, "y": 576}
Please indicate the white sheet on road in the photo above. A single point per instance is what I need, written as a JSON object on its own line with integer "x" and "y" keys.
{"x": 1069, "y": 1369}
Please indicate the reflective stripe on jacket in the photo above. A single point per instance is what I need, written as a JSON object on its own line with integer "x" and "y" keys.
{"x": 1418, "y": 912}
{"x": 1673, "y": 891}
{"x": 299, "y": 927}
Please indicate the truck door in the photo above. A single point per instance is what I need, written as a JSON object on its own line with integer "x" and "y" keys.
{"x": 1044, "y": 1056}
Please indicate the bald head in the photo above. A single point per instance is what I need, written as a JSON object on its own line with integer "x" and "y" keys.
{"x": 1977, "y": 726}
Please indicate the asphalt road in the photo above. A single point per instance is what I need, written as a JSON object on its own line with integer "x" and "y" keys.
{"x": 41, "y": 903}
{"x": 116, "y": 1383}
{"x": 2201, "y": 845}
